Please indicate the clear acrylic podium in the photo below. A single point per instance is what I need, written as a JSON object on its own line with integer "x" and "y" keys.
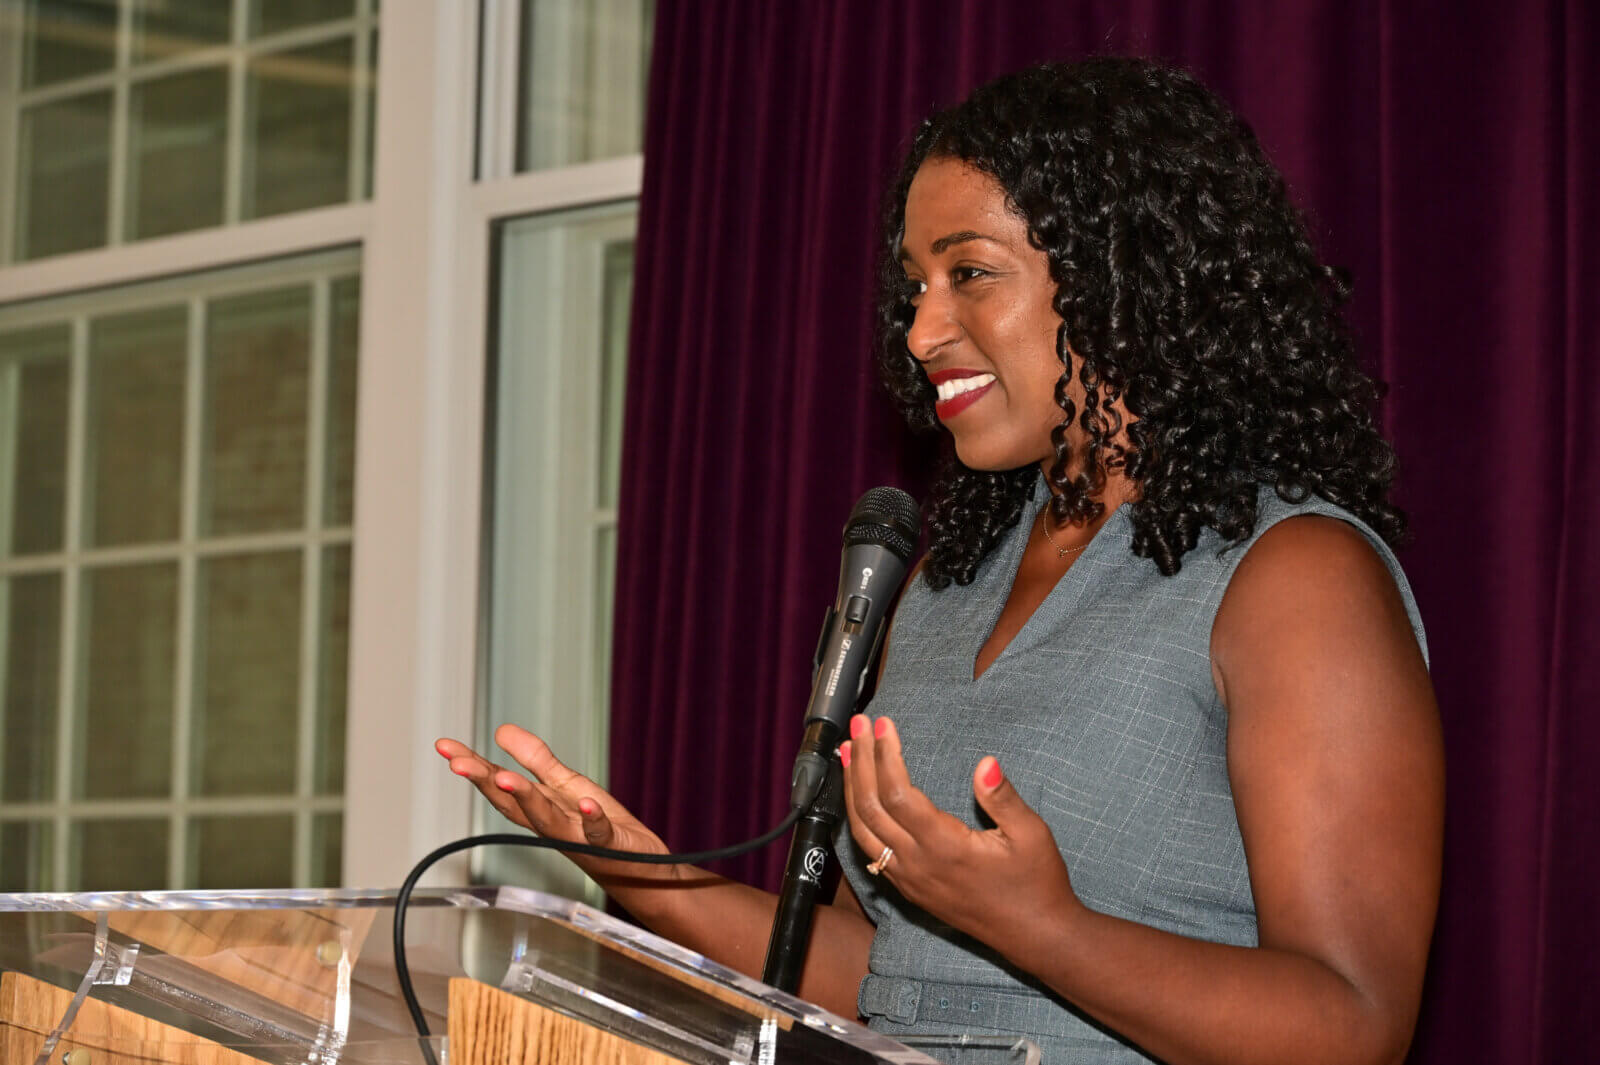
{"x": 504, "y": 975}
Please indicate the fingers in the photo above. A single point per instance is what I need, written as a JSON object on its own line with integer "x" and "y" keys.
{"x": 902, "y": 801}
{"x": 538, "y": 808}
{"x": 524, "y": 802}
{"x": 465, "y": 762}
{"x": 869, "y": 843}
{"x": 534, "y": 755}
{"x": 450, "y": 748}
{"x": 1017, "y": 822}
{"x": 996, "y": 795}
{"x": 873, "y": 823}
{"x": 597, "y": 828}
{"x": 533, "y": 804}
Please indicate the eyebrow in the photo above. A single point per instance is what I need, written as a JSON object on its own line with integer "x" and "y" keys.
{"x": 945, "y": 243}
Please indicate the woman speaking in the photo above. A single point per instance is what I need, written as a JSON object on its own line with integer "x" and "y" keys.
{"x": 1153, "y": 770}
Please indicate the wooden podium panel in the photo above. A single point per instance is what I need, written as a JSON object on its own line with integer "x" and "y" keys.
{"x": 30, "y": 1010}
{"x": 489, "y": 1026}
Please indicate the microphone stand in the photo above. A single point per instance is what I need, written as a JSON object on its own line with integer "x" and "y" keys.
{"x": 802, "y": 881}
{"x": 878, "y": 541}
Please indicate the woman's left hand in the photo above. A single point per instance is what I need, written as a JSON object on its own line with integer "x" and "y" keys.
{"x": 993, "y": 885}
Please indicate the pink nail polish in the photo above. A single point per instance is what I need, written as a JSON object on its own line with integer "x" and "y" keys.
{"x": 844, "y": 754}
{"x": 858, "y": 725}
{"x": 880, "y": 727}
{"x": 991, "y": 776}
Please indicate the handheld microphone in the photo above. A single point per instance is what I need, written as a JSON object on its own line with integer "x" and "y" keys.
{"x": 879, "y": 539}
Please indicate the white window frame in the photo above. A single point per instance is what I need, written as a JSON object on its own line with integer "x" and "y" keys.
{"x": 425, "y": 239}
{"x": 233, "y": 56}
{"x": 546, "y": 663}
{"x": 416, "y": 630}
{"x": 63, "y": 809}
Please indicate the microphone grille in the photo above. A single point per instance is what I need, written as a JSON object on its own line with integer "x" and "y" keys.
{"x": 885, "y": 516}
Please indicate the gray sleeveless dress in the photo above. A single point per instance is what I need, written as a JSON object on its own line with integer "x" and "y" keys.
{"x": 1103, "y": 713}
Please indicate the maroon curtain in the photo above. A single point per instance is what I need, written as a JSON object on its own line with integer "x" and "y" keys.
{"x": 1448, "y": 159}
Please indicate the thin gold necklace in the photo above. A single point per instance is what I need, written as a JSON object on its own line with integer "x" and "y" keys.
{"x": 1061, "y": 552}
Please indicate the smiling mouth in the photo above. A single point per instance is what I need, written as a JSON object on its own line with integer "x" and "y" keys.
{"x": 956, "y": 394}
{"x": 949, "y": 390}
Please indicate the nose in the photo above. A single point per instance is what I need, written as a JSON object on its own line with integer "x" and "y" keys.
{"x": 933, "y": 327}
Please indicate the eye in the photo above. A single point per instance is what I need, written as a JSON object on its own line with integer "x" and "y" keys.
{"x": 915, "y": 288}
{"x": 968, "y": 273}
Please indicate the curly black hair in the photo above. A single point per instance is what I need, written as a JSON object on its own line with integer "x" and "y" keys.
{"x": 1187, "y": 287}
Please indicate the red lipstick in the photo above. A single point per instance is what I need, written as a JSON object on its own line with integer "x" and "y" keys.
{"x": 948, "y": 408}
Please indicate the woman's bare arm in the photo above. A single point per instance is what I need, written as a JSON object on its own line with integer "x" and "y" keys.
{"x": 726, "y": 921}
{"x": 1334, "y": 755}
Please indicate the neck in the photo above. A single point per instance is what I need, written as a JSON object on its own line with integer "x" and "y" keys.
{"x": 1116, "y": 491}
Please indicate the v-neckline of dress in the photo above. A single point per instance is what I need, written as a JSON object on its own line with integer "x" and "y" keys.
{"x": 1010, "y": 564}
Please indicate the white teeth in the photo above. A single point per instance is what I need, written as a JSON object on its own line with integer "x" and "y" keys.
{"x": 951, "y": 389}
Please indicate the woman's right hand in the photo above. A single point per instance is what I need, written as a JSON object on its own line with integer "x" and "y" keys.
{"x": 724, "y": 920}
{"x": 559, "y": 803}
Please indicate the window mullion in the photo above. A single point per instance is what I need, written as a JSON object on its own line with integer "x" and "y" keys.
{"x": 10, "y": 392}
{"x": 233, "y": 149}
{"x": 10, "y": 389}
{"x": 311, "y": 579}
{"x": 67, "y": 706}
{"x": 498, "y": 88}
{"x": 169, "y": 551}
{"x": 121, "y": 120}
{"x": 195, "y": 806}
{"x": 360, "y": 112}
{"x": 186, "y": 673}
{"x": 196, "y": 59}
{"x": 6, "y": 590}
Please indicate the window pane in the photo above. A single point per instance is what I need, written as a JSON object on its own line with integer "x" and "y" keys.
{"x": 297, "y": 141}
{"x": 584, "y": 67}
{"x": 327, "y": 850}
{"x": 25, "y": 856}
{"x": 257, "y": 381}
{"x": 178, "y": 131}
{"x": 163, "y": 28}
{"x": 248, "y": 663}
{"x": 334, "y": 678}
{"x": 34, "y": 380}
{"x": 617, "y": 298}
{"x": 135, "y": 433}
{"x": 32, "y": 684}
{"x": 131, "y": 623}
{"x": 64, "y": 39}
{"x": 242, "y": 852}
{"x": 125, "y": 854}
{"x": 605, "y": 593}
{"x": 63, "y": 172}
{"x": 343, "y": 345}
{"x": 560, "y": 353}
{"x": 152, "y": 450}
{"x": 274, "y": 16}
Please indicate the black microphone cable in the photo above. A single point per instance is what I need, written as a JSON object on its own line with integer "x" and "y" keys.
{"x": 403, "y": 897}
